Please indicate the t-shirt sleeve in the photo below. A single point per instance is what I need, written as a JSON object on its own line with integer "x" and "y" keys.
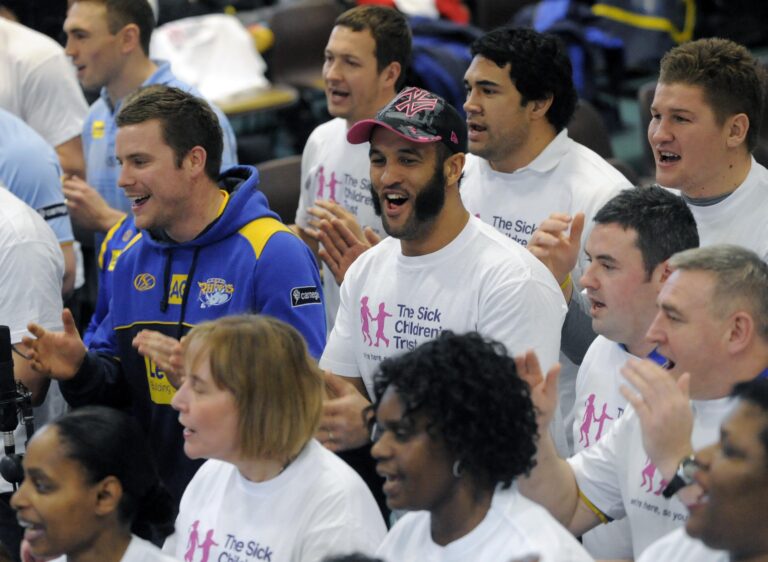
{"x": 287, "y": 286}
{"x": 597, "y": 471}
{"x": 339, "y": 354}
{"x": 30, "y": 275}
{"x": 523, "y": 313}
{"x": 54, "y": 104}
{"x": 307, "y": 194}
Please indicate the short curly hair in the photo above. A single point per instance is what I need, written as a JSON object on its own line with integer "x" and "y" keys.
{"x": 468, "y": 388}
{"x": 539, "y": 68}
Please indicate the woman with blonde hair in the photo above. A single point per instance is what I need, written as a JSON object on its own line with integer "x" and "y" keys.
{"x": 250, "y": 402}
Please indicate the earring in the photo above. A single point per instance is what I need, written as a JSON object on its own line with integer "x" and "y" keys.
{"x": 456, "y": 470}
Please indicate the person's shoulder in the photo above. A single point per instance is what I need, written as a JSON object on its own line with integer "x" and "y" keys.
{"x": 538, "y": 526}
{"x": 411, "y": 531}
{"x": 140, "y": 550}
{"x": 678, "y": 546}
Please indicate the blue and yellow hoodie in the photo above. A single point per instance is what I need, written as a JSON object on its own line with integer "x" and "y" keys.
{"x": 245, "y": 261}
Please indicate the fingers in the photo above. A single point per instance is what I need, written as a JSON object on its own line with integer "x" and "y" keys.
{"x": 528, "y": 368}
{"x": 336, "y": 386}
{"x": 370, "y": 236}
{"x": 70, "y": 328}
{"x": 577, "y": 228}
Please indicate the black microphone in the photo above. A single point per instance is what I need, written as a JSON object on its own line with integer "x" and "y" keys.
{"x": 9, "y": 417}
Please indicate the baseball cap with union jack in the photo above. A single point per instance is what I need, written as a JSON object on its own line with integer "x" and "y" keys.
{"x": 419, "y": 116}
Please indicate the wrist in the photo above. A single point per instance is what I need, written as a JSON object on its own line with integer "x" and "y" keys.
{"x": 109, "y": 218}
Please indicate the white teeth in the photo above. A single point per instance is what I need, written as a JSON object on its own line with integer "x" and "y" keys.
{"x": 25, "y": 524}
{"x": 139, "y": 199}
{"x": 395, "y": 198}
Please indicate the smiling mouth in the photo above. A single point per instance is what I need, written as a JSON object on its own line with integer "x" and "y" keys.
{"x": 667, "y": 157}
{"x": 139, "y": 201}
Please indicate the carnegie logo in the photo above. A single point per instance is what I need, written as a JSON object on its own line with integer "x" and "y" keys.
{"x": 214, "y": 292}
{"x": 144, "y": 281}
{"x": 301, "y": 296}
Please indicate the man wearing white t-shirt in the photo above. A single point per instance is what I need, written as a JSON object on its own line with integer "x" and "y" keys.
{"x": 713, "y": 324}
{"x": 627, "y": 268}
{"x": 727, "y": 501}
{"x": 705, "y": 124}
{"x": 440, "y": 269}
{"x": 364, "y": 68}
{"x": 523, "y": 166}
{"x": 31, "y": 272}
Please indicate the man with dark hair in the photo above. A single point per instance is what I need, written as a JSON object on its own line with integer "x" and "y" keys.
{"x": 712, "y": 325}
{"x": 440, "y": 269}
{"x": 108, "y": 41}
{"x": 523, "y": 166}
{"x": 726, "y": 503}
{"x": 365, "y": 62}
{"x": 206, "y": 249}
{"x": 628, "y": 264}
{"x": 705, "y": 121}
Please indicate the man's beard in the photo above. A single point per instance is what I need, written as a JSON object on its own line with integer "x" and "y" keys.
{"x": 426, "y": 207}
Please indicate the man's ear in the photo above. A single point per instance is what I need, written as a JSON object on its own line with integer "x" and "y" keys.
{"x": 538, "y": 108}
{"x": 741, "y": 331}
{"x": 109, "y": 492}
{"x": 738, "y": 126}
{"x": 453, "y": 168}
{"x": 130, "y": 38}
{"x": 390, "y": 75}
{"x": 196, "y": 159}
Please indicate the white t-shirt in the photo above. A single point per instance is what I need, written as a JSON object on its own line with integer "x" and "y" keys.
{"x": 566, "y": 177}
{"x": 332, "y": 168}
{"x": 138, "y": 550}
{"x": 31, "y": 271}
{"x": 597, "y": 406}
{"x": 391, "y": 303}
{"x": 318, "y": 506}
{"x": 740, "y": 218}
{"x": 678, "y": 546}
{"x": 38, "y": 83}
{"x": 616, "y": 475}
{"x": 513, "y": 528}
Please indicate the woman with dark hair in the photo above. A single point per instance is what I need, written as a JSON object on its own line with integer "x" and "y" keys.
{"x": 251, "y": 402}
{"x": 455, "y": 426}
{"x": 92, "y": 492}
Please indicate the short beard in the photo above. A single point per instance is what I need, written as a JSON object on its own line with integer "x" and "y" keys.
{"x": 427, "y": 205}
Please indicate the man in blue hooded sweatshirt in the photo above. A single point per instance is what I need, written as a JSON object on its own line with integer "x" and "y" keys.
{"x": 207, "y": 249}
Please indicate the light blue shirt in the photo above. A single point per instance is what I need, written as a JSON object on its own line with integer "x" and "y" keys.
{"x": 29, "y": 168}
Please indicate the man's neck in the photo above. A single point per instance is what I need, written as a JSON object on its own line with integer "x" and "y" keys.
{"x": 205, "y": 210}
{"x": 135, "y": 72}
{"x": 732, "y": 174}
{"x": 539, "y": 138}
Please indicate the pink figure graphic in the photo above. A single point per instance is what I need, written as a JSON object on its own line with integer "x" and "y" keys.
{"x": 380, "y": 319}
{"x": 365, "y": 317}
{"x": 206, "y": 545}
{"x": 648, "y": 473}
{"x": 332, "y": 187}
{"x": 661, "y": 487}
{"x": 586, "y": 421}
{"x": 320, "y": 175}
{"x": 192, "y": 542}
{"x": 601, "y": 420}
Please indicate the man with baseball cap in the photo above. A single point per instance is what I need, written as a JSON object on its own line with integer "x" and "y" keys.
{"x": 440, "y": 268}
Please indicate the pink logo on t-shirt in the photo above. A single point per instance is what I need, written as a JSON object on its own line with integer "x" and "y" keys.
{"x": 590, "y": 418}
{"x": 648, "y": 474}
{"x": 193, "y": 544}
{"x": 366, "y": 318}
